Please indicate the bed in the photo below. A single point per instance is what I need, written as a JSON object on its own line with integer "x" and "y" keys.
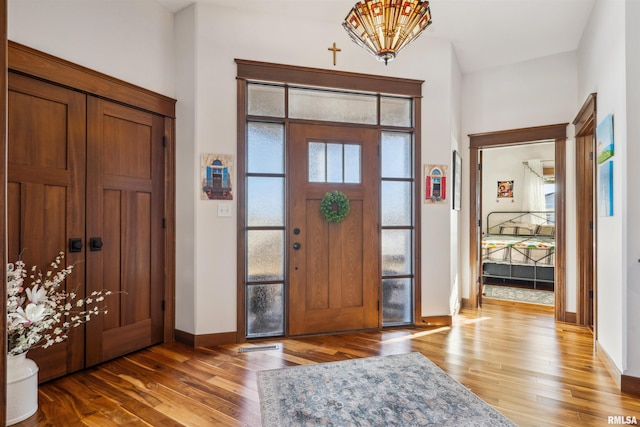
{"x": 519, "y": 246}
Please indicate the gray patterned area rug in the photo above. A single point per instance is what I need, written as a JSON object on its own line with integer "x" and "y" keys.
{"x": 531, "y": 296}
{"x": 397, "y": 390}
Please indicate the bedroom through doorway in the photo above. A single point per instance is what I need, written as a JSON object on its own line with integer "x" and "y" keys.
{"x": 518, "y": 223}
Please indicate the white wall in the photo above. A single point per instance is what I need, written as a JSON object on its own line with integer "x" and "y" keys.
{"x": 505, "y": 164}
{"x": 601, "y": 69}
{"x": 132, "y": 40}
{"x": 632, "y": 195}
{"x": 532, "y": 93}
{"x": 457, "y": 258}
{"x": 186, "y": 170}
{"x": 215, "y": 131}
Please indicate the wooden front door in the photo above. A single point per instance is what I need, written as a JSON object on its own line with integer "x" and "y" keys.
{"x": 333, "y": 267}
{"x": 125, "y": 208}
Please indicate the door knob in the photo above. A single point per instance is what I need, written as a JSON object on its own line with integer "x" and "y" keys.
{"x": 75, "y": 245}
{"x": 296, "y": 246}
{"x": 95, "y": 243}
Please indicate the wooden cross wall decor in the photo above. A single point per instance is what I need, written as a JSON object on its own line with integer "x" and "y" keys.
{"x": 335, "y": 50}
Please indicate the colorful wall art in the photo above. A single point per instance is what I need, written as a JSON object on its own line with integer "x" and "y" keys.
{"x": 216, "y": 171}
{"x": 435, "y": 184}
{"x": 604, "y": 139}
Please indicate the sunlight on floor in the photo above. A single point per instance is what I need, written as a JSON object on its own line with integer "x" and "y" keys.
{"x": 461, "y": 320}
{"x": 416, "y": 335}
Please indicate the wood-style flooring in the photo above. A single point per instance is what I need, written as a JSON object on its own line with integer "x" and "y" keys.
{"x": 533, "y": 370}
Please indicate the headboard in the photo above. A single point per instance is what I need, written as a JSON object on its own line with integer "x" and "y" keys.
{"x": 521, "y": 223}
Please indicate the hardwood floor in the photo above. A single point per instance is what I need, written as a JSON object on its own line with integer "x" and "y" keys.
{"x": 535, "y": 371}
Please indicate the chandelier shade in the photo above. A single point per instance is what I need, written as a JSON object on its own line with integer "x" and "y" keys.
{"x": 384, "y": 27}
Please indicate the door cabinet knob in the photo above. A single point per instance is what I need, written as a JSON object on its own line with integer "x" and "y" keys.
{"x": 95, "y": 243}
{"x": 75, "y": 245}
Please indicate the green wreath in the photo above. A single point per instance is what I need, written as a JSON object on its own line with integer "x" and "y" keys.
{"x": 335, "y": 206}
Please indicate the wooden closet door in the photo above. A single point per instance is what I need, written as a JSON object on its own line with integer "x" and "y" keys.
{"x": 125, "y": 203}
{"x": 45, "y": 194}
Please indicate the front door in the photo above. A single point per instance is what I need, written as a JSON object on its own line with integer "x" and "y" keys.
{"x": 333, "y": 266}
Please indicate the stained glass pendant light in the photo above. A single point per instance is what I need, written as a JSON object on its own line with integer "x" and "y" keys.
{"x": 384, "y": 27}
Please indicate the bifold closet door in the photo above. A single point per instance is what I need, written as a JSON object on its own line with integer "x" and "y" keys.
{"x": 46, "y": 194}
{"x": 125, "y": 236}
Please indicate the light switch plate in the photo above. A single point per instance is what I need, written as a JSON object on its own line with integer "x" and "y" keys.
{"x": 224, "y": 209}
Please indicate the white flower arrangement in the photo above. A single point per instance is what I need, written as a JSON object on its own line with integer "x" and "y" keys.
{"x": 40, "y": 315}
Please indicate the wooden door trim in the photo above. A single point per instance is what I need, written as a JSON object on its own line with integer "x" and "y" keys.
{"x": 33, "y": 63}
{"x": 475, "y": 299}
{"x": 556, "y": 132}
{"x": 585, "y": 125}
{"x": 241, "y": 263}
{"x": 254, "y": 70}
{"x": 518, "y": 136}
{"x": 170, "y": 231}
{"x": 38, "y": 64}
{"x": 3, "y": 203}
{"x": 587, "y": 115}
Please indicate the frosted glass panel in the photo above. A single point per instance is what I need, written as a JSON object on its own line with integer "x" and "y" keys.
{"x": 265, "y": 255}
{"x": 265, "y": 151}
{"x": 265, "y": 202}
{"x": 265, "y": 100}
{"x": 396, "y": 155}
{"x": 265, "y": 310}
{"x": 396, "y": 301}
{"x": 332, "y": 106}
{"x": 396, "y": 252}
{"x": 395, "y": 112}
{"x": 396, "y": 203}
{"x": 352, "y": 163}
{"x": 317, "y": 162}
{"x": 334, "y": 162}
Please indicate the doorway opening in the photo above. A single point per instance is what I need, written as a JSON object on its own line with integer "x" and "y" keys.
{"x": 479, "y": 142}
{"x": 518, "y": 223}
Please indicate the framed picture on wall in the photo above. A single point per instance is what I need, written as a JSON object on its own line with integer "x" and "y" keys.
{"x": 604, "y": 139}
{"x": 605, "y": 189}
{"x": 435, "y": 184}
{"x": 505, "y": 189}
{"x": 216, "y": 171}
{"x": 457, "y": 181}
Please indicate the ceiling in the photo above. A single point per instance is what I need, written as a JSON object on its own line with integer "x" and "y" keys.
{"x": 484, "y": 33}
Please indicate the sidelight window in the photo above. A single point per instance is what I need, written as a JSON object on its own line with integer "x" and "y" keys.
{"x": 397, "y": 188}
{"x": 265, "y": 225}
